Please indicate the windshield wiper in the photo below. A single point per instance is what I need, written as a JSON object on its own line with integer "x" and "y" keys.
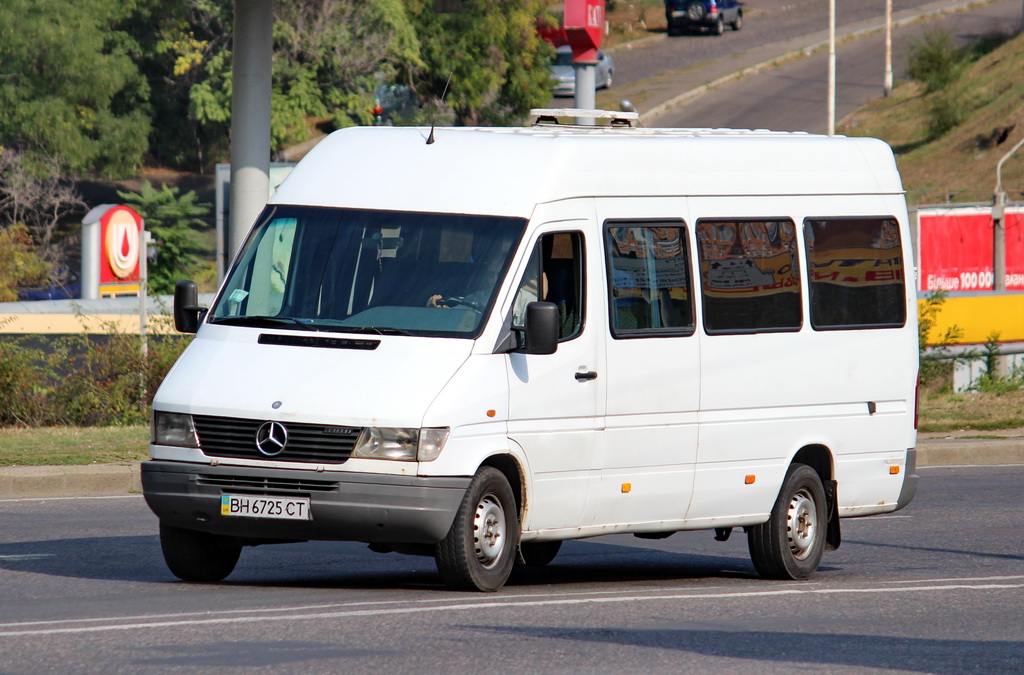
{"x": 264, "y": 322}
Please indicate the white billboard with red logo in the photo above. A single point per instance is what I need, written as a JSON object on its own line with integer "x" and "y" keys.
{"x": 954, "y": 248}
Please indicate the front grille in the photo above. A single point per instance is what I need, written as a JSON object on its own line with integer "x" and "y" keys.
{"x": 263, "y": 485}
{"x": 233, "y": 437}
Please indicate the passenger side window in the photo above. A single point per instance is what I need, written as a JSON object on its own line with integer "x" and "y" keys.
{"x": 649, "y": 276}
{"x": 857, "y": 273}
{"x": 750, "y": 280}
{"x": 554, "y": 274}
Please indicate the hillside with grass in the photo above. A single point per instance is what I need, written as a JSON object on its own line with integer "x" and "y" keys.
{"x": 952, "y": 123}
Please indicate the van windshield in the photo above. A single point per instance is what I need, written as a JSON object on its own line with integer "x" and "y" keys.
{"x": 363, "y": 271}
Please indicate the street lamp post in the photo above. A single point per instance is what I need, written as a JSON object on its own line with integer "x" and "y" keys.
{"x": 831, "y": 67}
{"x": 999, "y": 226}
{"x": 887, "y": 81}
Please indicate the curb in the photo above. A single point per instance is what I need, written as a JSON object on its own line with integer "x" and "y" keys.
{"x": 47, "y": 482}
{"x": 28, "y": 482}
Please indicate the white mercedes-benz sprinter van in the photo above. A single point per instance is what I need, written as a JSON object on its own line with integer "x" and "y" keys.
{"x": 477, "y": 343}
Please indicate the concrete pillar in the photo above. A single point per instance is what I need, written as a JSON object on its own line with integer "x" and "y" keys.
{"x": 586, "y": 88}
{"x": 250, "y": 117}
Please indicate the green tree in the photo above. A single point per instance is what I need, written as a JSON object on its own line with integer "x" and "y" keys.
{"x": 174, "y": 220}
{"x": 489, "y": 56}
{"x": 328, "y": 57}
{"x": 182, "y": 48}
{"x": 19, "y": 264}
{"x": 68, "y": 86}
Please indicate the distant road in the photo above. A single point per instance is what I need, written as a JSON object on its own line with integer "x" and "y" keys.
{"x": 767, "y": 22}
{"x": 793, "y": 97}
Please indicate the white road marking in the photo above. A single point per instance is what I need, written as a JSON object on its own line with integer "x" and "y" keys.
{"x": 26, "y": 556}
{"x": 194, "y": 620}
{"x": 69, "y": 499}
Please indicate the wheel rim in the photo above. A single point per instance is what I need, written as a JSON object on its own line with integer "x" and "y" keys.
{"x": 489, "y": 530}
{"x": 802, "y": 524}
{"x": 696, "y": 12}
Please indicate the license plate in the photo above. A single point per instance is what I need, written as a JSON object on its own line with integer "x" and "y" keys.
{"x": 252, "y": 506}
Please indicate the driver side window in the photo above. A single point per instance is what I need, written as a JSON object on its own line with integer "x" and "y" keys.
{"x": 554, "y": 274}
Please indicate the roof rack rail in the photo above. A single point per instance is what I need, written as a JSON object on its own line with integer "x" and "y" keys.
{"x": 617, "y": 118}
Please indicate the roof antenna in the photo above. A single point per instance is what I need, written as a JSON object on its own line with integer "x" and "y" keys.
{"x": 430, "y": 138}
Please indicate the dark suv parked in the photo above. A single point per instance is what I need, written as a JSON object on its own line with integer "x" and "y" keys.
{"x": 701, "y": 14}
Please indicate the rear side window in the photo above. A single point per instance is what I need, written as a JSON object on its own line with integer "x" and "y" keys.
{"x": 857, "y": 273}
{"x": 649, "y": 273}
{"x": 750, "y": 277}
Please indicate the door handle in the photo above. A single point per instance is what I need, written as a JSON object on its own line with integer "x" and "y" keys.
{"x": 589, "y": 375}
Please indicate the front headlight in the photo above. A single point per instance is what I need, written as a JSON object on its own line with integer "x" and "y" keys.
{"x": 173, "y": 429}
{"x": 404, "y": 445}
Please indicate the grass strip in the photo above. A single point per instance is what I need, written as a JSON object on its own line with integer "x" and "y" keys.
{"x": 63, "y": 446}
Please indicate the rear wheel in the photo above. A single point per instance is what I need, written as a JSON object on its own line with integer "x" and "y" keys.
{"x": 670, "y": 25}
{"x": 790, "y": 544}
{"x": 738, "y": 23}
{"x": 198, "y": 556}
{"x": 480, "y": 548}
{"x": 719, "y": 26}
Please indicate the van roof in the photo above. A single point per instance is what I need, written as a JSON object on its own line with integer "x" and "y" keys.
{"x": 507, "y": 171}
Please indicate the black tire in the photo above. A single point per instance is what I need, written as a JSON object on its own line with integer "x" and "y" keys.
{"x": 198, "y": 556}
{"x": 538, "y": 553}
{"x": 696, "y": 12}
{"x": 670, "y": 26}
{"x": 608, "y": 81}
{"x": 738, "y": 23}
{"x": 480, "y": 549}
{"x": 719, "y": 27}
{"x": 790, "y": 544}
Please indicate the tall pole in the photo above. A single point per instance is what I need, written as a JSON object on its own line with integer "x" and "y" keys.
{"x": 887, "y": 82}
{"x": 831, "y": 67}
{"x": 250, "y": 117}
{"x": 586, "y": 88}
{"x": 999, "y": 224}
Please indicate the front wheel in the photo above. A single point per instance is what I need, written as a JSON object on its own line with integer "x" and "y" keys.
{"x": 198, "y": 556}
{"x": 480, "y": 548}
{"x": 790, "y": 544}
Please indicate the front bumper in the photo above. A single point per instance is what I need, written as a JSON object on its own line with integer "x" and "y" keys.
{"x": 344, "y": 506}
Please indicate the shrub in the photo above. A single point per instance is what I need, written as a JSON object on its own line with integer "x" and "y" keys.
{"x": 83, "y": 380}
{"x": 935, "y": 61}
{"x": 946, "y": 112}
{"x": 936, "y": 361}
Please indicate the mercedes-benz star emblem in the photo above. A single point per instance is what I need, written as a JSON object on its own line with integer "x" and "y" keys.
{"x": 271, "y": 438}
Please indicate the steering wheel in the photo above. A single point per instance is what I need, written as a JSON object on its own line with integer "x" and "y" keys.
{"x": 463, "y": 301}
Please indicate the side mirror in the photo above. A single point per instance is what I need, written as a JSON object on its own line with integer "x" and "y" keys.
{"x": 542, "y": 327}
{"x": 186, "y": 307}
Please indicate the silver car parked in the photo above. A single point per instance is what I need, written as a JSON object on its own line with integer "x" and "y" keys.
{"x": 563, "y": 73}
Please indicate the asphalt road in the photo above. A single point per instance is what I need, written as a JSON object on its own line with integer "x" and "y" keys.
{"x": 935, "y": 588}
{"x": 766, "y": 22}
{"x": 793, "y": 97}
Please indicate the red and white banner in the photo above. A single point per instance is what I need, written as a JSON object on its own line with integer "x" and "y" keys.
{"x": 954, "y": 248}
